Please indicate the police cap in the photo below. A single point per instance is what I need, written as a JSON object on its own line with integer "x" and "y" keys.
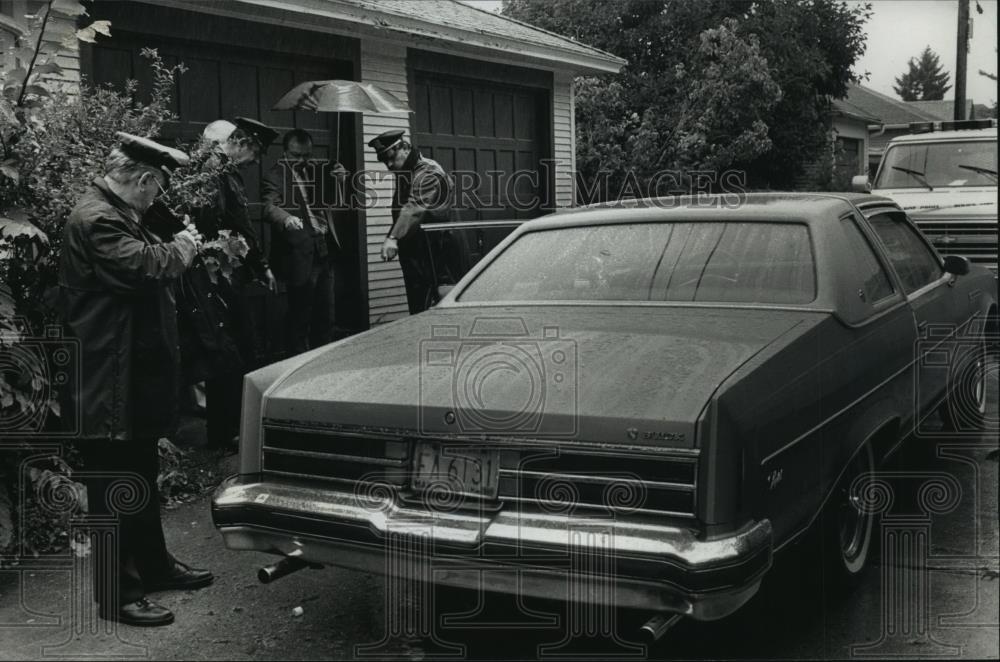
{"x": 262, "y": 132}
{"x": 385, "y": 141}
{"x": 150, "y": 152}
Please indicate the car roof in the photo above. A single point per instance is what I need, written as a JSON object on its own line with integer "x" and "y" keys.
{"x": 944, "y": 136}
{"x": 770, "y": 206}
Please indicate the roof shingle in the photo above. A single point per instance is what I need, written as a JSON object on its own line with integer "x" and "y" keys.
{"x": 458, "y": 15}
{"x": 885, "y": 108}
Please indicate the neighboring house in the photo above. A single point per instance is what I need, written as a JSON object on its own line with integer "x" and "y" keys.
{"x": 944, "y": 110}
{"x": 892, "y": 118}
{"x": 848, "y": 150}
{"x": 850, "y": 138}
{"x": 489, "y": 94}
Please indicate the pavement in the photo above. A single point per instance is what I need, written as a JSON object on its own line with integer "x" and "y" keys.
{"x": 932, "y": 592}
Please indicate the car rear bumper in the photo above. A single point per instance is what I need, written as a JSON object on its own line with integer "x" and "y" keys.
{"x": 617, "y": 562}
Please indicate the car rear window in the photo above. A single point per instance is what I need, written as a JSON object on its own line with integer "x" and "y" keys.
{"x": 756, "y": 262}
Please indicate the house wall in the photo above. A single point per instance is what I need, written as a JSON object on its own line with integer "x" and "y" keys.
{"x": 845, "y": 127}
{"x": 13, "y": 23}
{"x": 383, "y": 63}
{"x": 564, "y": 140}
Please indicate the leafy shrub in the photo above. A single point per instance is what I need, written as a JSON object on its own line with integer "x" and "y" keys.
{"x": 54, "y": 140}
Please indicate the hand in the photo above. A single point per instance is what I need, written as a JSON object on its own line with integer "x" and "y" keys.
{"x": 293, "y": 223}
{"x": 390, "y": 248}
{"x": 270, "y": 281}
{"x": 188, "y": 246}
{"x": 338, "y": 172}
{"x": 192, "y": 230}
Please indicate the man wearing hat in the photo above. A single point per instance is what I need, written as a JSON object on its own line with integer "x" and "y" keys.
{"x": 116, "y": 298}
{"x": 220, "y": 341}
{"x": 423, "y": 194}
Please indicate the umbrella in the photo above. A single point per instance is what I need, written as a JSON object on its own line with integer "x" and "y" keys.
{"x": 341, "y": 96}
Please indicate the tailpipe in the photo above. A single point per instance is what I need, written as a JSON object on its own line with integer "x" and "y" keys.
{"x": 658, "y": 625}
{"x": 279, "y": 569}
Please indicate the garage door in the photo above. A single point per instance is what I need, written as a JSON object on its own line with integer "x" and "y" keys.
{"x": 221, "y": 83}
{"x": 484, "y": 133}
{"x": 225, "y": 82}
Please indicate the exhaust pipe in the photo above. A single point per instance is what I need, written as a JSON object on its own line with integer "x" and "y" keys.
{"x": 279, "y": 569}
{"x": 658, "y": 625}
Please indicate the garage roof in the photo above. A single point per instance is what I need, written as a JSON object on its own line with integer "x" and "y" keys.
{"x": 490, "y": 29}
{"x": 425, "y": 22}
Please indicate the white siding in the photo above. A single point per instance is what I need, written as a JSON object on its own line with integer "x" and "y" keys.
{"x": 564, "y": 143}
{"x": 384, "y": 64}
{"x": 68, "y": 59}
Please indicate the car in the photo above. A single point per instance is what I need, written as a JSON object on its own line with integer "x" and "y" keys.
{"x": 944, "y": 175}
{"x": 651, "y": 397}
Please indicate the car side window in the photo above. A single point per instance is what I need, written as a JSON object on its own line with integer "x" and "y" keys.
{"x": 875, "y": 281}
{"x": 916, "y": 265}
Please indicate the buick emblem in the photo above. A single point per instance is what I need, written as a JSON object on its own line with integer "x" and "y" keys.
{"x": 449, "y": 418}
{"x": 633, "y": 433}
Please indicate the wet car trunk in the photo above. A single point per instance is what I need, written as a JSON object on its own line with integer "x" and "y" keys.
{"x": 607, "y": 374}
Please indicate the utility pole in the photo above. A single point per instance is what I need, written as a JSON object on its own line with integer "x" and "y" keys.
{"x": 962, "y": 58}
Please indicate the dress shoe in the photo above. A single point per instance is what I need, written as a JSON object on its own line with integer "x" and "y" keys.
{"x": 181, "y": 577}
{"x": 141, "y": 613}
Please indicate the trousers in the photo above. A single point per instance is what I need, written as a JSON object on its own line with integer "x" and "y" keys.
{"x": 125, "y": 490}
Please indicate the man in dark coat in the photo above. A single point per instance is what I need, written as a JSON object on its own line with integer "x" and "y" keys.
{"x": 116, "y": 280}
{"x": 298, "y": 194}
{"x": 423, "y": 195}
{"x": 218, "y": 324}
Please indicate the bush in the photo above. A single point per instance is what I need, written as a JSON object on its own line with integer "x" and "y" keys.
{"x": 54, "y": 141}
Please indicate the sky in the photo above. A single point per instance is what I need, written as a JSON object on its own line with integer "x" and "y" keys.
{"x": 900, "y": 29}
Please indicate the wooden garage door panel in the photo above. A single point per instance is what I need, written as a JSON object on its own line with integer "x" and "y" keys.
{"x": 274, "y": 82}
{"x": 199, "y": 95}
{"x": 236, "y": 79}
{"x": 489, "y": 131}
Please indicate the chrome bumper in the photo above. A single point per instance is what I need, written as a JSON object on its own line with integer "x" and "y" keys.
{"x": 619, "y": 562}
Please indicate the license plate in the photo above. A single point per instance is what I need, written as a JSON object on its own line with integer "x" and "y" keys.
{"x": 461, "y": 469}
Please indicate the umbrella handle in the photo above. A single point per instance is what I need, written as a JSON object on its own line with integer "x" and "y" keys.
{"x": 336, "y": 153}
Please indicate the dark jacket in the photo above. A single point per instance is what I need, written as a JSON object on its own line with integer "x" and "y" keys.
{"x": 116, "y": 299}
{"x": 204, "y": 322}
{"x": 293, "y": 251}
{"x": 423, "y": 195}
{"x": 229, "y": 211}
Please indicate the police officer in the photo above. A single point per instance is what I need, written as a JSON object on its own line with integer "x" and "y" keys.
{"x": 116, "y": 280}
{"x": 423, "y": 195}
{"x": 218, "y": 324}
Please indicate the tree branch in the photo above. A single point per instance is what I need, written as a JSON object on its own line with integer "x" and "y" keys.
{"x": 34, "y": 56}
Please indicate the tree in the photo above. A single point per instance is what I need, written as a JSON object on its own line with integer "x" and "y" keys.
{"x": 925, "y": 79}
{"x": 710, "y": 85}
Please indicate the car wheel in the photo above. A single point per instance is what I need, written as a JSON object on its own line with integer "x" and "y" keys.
{"x": 849, "y": 525}
{"x": 964, "y": 409}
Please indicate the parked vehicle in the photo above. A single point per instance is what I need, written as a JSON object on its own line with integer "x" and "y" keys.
{"x": 670, "y": 393}
{"x": 944, "y": 175}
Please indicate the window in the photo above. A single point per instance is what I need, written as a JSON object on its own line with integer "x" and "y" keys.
{"x": 937, "y": 164}
{"x": 685, "y": 261}
{"x": 911, "y": 258}
{"x": 874, "y": 281}
{"x": 847, "y": 156}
